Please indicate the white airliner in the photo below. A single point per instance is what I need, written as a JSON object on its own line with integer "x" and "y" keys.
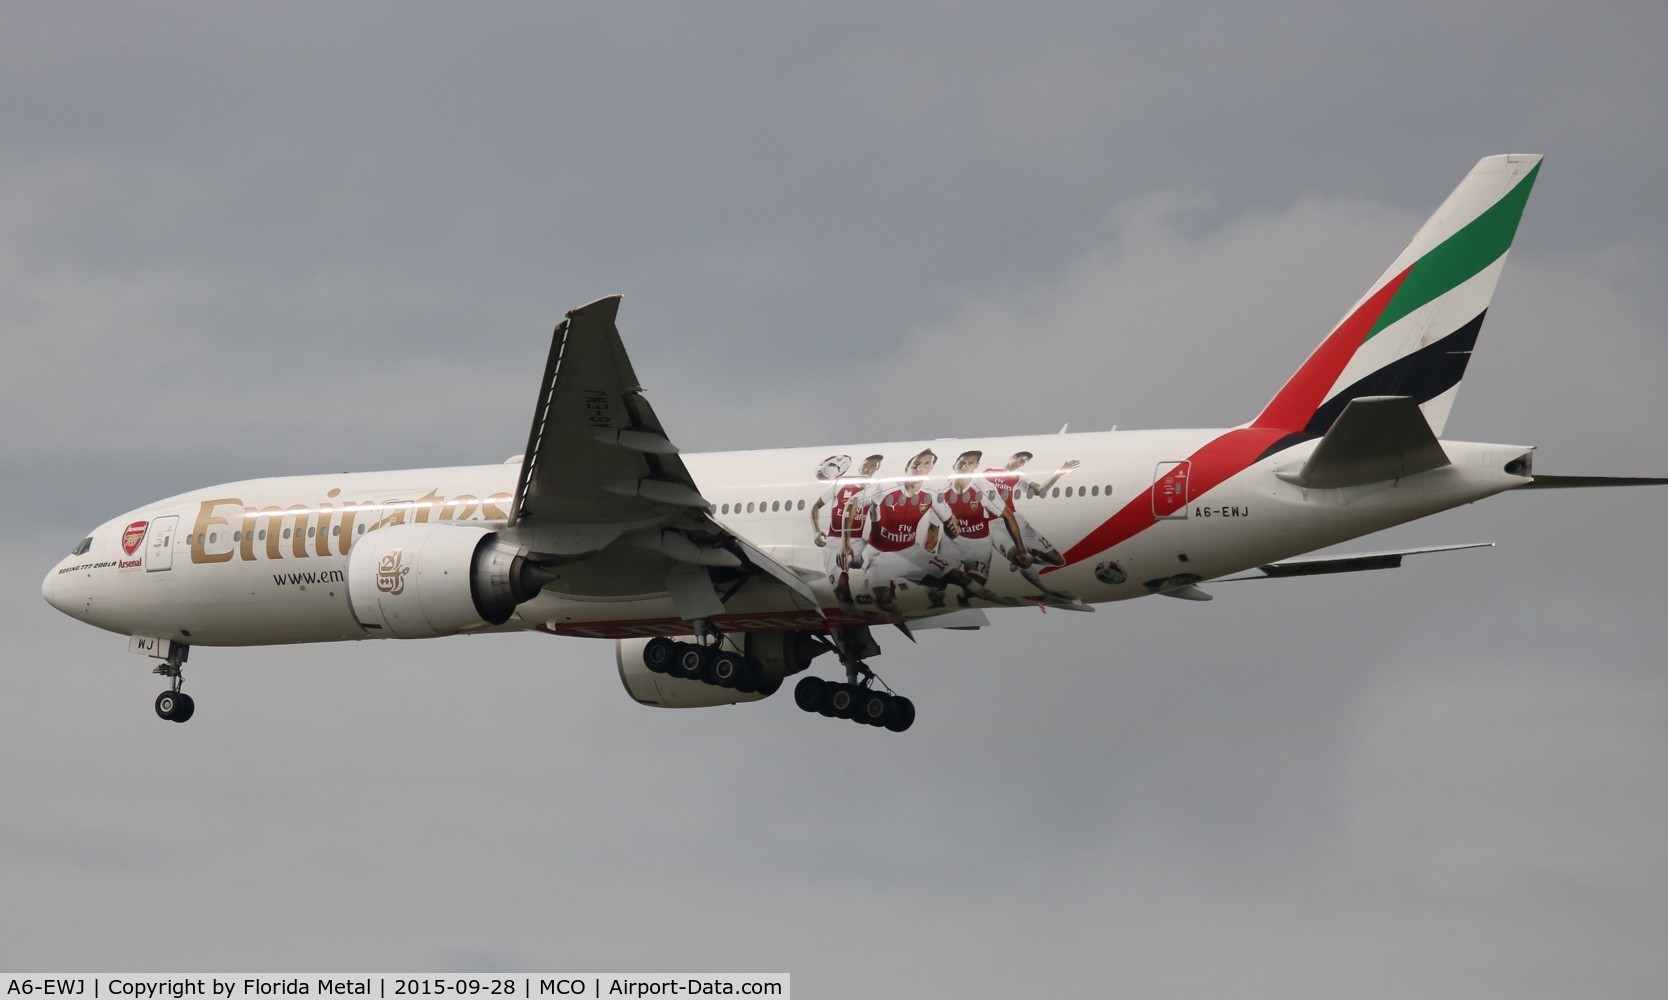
{"x": 720, "y": 575}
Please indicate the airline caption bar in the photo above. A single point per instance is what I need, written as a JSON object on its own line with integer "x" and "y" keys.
{"x": 521, "y": 987}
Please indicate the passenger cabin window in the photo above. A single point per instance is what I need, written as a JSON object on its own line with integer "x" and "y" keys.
{"x": 81, "y": 550}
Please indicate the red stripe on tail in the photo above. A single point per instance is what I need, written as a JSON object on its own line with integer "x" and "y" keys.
{"x": 1233, "y": 452}
{"x": 1303, "y": 394}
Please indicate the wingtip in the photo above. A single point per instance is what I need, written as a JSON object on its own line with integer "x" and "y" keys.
{"x": 609, "y": 304}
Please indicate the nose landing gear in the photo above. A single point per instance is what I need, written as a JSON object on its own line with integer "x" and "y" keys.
{"x": 174, "y": 705}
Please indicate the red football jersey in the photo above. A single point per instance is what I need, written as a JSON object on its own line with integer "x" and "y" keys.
{"x": 896, "y": 517}
{"x": 837, "y": 497}
{"x": 1005, "y": 482}
{"x": 973, "y": 509}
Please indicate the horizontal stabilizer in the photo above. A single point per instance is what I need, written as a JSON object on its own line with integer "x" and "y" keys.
{"x": 1541, "y": 482}
{"x": 1376, "y": 438}
{"x": 1319, "y": 565}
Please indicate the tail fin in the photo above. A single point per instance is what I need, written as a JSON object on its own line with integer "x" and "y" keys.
{"x": 1412, "y": 333}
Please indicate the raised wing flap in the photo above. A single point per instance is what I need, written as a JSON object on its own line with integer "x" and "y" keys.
{"x": 643, "y": 441}
{"x": 1376, "y": 438}
{"x": 659, "y": 491}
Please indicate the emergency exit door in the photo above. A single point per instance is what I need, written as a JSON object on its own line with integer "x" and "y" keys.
{"x": 159, "y": 552}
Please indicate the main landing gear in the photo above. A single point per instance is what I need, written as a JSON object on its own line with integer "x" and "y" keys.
{"x": 709, "y": 663}
{"x": 856, "y": 699}
{"x": 173, "y": 704}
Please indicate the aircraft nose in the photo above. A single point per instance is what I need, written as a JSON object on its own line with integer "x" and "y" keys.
{"x": 47, "y": 586}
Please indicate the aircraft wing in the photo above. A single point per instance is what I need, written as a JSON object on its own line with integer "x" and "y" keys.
{"x": 604, "y": 495}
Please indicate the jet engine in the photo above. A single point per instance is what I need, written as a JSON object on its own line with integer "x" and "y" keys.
{"x": 417, "y": 581}
{"x": 678, "y": 673}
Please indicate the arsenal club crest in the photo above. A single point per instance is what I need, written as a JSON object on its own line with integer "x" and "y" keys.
{"x": 132, "y": 535}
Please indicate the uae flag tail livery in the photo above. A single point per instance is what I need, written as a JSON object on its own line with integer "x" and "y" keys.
{"x": 1412, "y": 333}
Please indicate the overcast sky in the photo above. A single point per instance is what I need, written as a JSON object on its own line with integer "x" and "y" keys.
{"x": 282, "y": 239}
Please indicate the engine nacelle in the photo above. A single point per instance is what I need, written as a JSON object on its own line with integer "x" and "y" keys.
{"x": 417, "y": 581}
{"x": 778, "y": 654}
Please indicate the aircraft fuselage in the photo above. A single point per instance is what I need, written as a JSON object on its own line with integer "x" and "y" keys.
{"x": 266, "y": 560}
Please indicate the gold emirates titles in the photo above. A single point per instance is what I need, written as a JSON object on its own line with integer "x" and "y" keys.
{"x": 327, "y": 529}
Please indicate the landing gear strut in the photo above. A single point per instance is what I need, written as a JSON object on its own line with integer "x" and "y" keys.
{"x": 856, "y": 699}
{"x": 173, "y": 704}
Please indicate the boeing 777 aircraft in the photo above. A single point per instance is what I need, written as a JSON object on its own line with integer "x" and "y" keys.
{"x": 721, "y": 575}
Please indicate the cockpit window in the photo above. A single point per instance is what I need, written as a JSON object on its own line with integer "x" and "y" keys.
{"x": 81, "y": 550}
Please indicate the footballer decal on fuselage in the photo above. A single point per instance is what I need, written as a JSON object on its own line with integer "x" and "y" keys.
{"x": 915, "y": 531}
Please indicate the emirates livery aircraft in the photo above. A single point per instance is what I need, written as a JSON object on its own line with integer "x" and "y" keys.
{"x": 720, "y": 575}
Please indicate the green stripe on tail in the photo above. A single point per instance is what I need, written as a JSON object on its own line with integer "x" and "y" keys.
{"x": 1461, "y": 256}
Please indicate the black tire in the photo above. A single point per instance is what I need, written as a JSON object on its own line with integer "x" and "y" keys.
{"x": 874, "y": 708}
{"x": 727, "y": 669}
{"x": 167, "y": 705}
{"x": 769, "y": 686}
{"x": 693, "y": 663}
{"x": 659, "y": 653}
{"x": 826, "y": 709}
{"x": 187, "y": 708}
{"x": 902, "y": 715}
{"x": 751, "y": 678}
{"x": 810, "y": 693}
{"x": 842, "y": 701}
